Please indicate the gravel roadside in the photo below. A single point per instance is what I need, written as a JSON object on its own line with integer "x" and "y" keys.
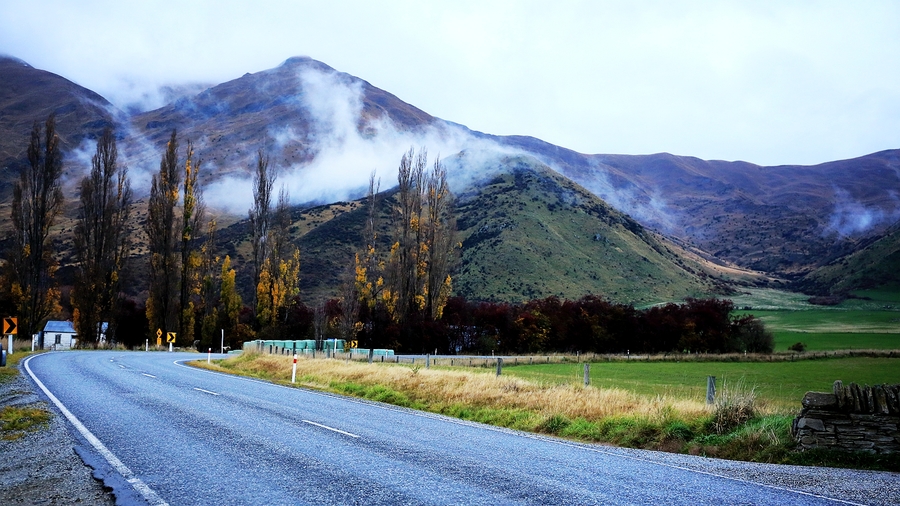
{"x": 42, "y": 467}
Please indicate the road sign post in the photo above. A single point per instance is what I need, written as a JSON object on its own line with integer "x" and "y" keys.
{"x": 170, "y": 338}
{"x": 11, "y": 328}
{"x": 11, "y": 325}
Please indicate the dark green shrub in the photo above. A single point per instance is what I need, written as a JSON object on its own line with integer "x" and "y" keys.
{"x": 798, "y": 347}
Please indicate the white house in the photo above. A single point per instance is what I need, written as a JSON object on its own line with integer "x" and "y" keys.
{"x": 58, "y": 335}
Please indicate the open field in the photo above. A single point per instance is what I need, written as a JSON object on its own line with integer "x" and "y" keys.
{"x": 871, "y": 321}
{"x": 779, "y": 385}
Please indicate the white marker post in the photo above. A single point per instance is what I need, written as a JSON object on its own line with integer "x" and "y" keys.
{"x": 209, "y": 356}
{"x": 294, "y": 370}
{"x": 223, "y": 340}
{"x": 146, "y": 345}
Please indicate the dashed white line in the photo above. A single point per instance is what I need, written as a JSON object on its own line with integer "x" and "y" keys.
{"x": 330, "y": 428}
{"x": 205, "y": 391}
{"x": 149, "y": 494}
{"x": 148, "y": 375}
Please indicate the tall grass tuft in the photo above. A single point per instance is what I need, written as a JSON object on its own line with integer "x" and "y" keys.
{"x": 735, "y": 405}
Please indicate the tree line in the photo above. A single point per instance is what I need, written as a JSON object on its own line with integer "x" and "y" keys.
{"x": 192, "y": 290}
{"x": 398, "y": 298}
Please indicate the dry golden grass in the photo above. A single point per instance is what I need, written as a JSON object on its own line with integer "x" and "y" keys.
{"x": 441, "y": 387}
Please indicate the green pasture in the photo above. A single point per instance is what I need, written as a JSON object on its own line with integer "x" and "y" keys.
{"x": 782, "y": 384}
{"x": 830, "y": 341}
{"x": 871, "y": 321}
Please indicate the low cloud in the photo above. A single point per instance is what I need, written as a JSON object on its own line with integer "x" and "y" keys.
{"x": 347, "y": 151}
{"x": 851, "y": 217}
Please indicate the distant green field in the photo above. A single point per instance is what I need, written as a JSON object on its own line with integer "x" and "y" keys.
{"x": 830, "y": 341}
{"x": 869, "y": 322}
{"x": 781, "y": 383}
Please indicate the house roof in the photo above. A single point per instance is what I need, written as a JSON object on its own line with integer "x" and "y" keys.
{"x": 59, "y": 326}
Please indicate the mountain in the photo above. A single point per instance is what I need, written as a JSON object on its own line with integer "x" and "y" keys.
{"x": 279, "y": 110}
{"x": 644, "y": 228}
{"x": 28, "y": 95}
{"x": 785, "y": 220}
{"x": 526, "y": 232}
{"x": 530, "y": 233}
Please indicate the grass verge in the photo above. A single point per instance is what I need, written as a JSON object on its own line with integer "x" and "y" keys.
{"x": 737, "y": 428}
{"x": 16, "y": 421}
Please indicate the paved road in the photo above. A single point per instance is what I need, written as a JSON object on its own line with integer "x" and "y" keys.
{"x": 188, "y": 436}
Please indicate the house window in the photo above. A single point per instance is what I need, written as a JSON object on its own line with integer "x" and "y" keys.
{"x": 58, "y": 338}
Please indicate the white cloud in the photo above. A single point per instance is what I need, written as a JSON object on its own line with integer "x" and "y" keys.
{"x": 767, "y": 82}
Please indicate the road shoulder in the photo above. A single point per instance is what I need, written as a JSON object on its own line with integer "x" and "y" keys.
{"x": 42, "y": 467}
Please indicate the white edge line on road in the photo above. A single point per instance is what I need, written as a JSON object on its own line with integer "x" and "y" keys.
{"x": 329, "y": 428}
{"x": 148, "y": 375}
{"x": 142, "y": 488}
{"x": 538, "y": 437}
{"x": 205, "y": 391}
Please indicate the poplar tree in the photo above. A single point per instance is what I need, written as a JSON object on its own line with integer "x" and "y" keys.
{"x": 259, "y": 216}
{"x": 162, "y": 236}
{"x": 192, "y": 208}
{"x": 229, "y": 299}
{"x": 439, "y": 240}
{"x": 280, "y": 274}
{"x": 101, "y": 242}
{"x": 367, "y": 271}
{"x": 210, "y": 281}
{"x": 37, "y": 201}
{"x": 424, "y": 232}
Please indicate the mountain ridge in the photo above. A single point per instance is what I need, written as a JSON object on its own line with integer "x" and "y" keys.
{"x": 784, "y": 220}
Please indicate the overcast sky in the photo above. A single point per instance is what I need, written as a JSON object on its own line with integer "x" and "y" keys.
{"x": 767, "y": 82}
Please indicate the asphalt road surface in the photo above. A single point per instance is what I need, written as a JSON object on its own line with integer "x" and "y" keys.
{"x": 169, "y": 434}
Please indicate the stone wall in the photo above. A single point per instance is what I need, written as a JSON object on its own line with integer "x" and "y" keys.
{"x": 851, "y": 418}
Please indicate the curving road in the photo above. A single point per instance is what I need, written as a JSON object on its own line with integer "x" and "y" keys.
{"x": 180, "y": 435}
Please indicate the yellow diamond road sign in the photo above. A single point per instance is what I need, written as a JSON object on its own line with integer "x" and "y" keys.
{"x": 10, "y": 325}
{"x": 170, "y": 337}
{"x": 158, "y": 333}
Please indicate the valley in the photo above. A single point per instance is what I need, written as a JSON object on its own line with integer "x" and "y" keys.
{"x": 534, "y": 220}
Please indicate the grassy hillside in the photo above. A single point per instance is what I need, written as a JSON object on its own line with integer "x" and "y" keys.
{"x": 875, "y": 266}
{"x": 530, "y": 233}
{"x": 527, "y": 233}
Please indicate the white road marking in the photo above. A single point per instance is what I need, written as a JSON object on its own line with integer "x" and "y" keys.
{"x": 329, "y": 428}
{"x": 148, "y": 493}
{"x": 122, "y": 366}
{"x": 148, "y": 375}
{"x": 205, "y": 391}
